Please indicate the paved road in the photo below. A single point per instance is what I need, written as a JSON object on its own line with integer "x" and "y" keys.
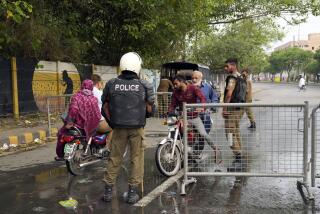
{"x": 31, "y": 182}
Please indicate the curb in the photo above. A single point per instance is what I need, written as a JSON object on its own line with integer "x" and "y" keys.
{"x": 26, "y": 139}
{"x": 28, "y": 148}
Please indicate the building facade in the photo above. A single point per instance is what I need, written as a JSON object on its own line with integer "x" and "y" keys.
{"x": 312, "y": 44}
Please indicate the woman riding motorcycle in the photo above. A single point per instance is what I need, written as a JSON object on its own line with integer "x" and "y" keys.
{"x": 83, "y": 113}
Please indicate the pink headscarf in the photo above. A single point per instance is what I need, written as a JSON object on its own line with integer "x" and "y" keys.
{"x": 84, "y": 111}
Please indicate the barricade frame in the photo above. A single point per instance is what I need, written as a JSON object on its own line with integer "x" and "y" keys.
{"x": 188, "y": 179}
{"x": 160, "y": 106}
{"x": 314, "y": 146}
{"x": 50, "y": 109}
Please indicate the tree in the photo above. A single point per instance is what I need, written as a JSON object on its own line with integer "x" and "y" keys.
{"x": 243, "y": 40}
{"x": 290, "y": 59}
{"x": 101, "y": 31}
{"x": 313, "y": 67}
{"x": 12, "y": 13}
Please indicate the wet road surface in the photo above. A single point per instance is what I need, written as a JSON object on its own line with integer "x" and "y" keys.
{"x": 39, "y": 189}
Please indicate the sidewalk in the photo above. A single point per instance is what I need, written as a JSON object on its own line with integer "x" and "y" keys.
{"x": 14, "y": 137}
{"x": 18, "y": 136}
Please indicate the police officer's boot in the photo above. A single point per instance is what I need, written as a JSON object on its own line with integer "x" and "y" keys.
{"x": 252, "y": 126}
{"x": 237, "y": 165}
{"x": 107, "y": 196}
{"x": 133, "y": 196}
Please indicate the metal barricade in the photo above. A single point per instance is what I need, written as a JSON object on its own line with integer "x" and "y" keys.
{"x": 315, "y": 141}
{"x": 162, "y": 102}
{"x": 277, "y": 147}
{"x": 56, "y": 105}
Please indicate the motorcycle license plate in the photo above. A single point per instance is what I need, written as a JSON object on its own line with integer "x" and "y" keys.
{"x": 68, "y": 148}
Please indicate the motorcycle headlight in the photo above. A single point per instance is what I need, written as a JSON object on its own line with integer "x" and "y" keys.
{"x": 171, "y": 121}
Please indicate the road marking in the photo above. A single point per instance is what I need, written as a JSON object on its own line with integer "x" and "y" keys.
{"x": 158, "y": 190}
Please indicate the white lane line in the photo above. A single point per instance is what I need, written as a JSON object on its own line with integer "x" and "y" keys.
{"x": 158, "y": 190}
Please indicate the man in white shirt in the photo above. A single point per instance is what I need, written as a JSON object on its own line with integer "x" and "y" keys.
{"x": 302, "y": 82}
{"x": 97, "y": 92}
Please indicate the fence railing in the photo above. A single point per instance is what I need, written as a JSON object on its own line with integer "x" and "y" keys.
{"x": 315, "y": 147}
{"x": 277, "y": 147}
{"x": 56, "y": 105}
{"x": 162, "y": 102}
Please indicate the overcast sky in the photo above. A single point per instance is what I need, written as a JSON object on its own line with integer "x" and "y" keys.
{"x": 311, "y": 26}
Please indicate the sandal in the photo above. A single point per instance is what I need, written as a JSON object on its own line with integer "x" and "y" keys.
{"x": 58, "y": 158}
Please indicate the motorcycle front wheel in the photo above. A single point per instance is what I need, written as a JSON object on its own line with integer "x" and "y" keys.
{"x": 166, "y": 165}
{"x": 73, "y": 165}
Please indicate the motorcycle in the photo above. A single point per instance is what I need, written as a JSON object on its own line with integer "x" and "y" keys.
{"x": 170, "y": 151}
{"x": 302, "y": 88}
{"x": 80, "y": 153}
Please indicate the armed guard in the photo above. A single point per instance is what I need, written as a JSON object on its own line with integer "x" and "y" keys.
{"x": 126, "y": 100}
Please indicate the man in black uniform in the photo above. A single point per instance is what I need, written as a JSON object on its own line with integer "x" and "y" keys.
{"x": 125, "y": 101}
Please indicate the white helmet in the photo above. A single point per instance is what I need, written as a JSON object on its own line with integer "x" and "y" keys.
{"x": 131, "y": 62}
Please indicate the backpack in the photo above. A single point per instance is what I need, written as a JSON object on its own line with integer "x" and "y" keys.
{"x": 240, "y": 91}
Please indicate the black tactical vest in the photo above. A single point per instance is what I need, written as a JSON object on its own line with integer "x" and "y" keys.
{"x": 127, "y": 103}
{"x": 240, "y": 90}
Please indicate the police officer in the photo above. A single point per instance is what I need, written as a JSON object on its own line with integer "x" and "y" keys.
{"x": 125, "y": 102}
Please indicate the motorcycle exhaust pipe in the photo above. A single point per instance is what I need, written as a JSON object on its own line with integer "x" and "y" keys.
{"x": 89, "y": 163}
{"x": 103, "y": 150}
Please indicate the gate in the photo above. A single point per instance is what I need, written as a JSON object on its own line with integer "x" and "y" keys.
{"x": 277, "y": 147}
{"x": 162, "y": 102}
{"x": 315, "y": 147}
{"x": 56, "y": 105}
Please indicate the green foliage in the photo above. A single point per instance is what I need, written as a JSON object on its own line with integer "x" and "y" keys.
{"x": 12, "y": 13}
{"x": 243, "y": 40}
{"x": 101, "y": 31}
{"x": 317, "y": 56}
{"x": 15, "y": 10}
{"x": 312, "y": 67}
{"x": 289, "y": 59}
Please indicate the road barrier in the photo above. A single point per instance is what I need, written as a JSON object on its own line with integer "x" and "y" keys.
{"x": 315, "y": 144}
{"x": 162, "y": 102}
{"x": 56, "y": 105}
{"x": 277, "y": 147}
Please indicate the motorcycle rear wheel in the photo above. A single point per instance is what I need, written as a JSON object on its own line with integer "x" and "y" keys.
{"x": 166, "y": 165}
{"x": 73, "y": 165}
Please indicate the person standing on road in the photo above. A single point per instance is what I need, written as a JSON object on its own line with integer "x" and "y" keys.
{"x": 210, "y": 95}
{"x": 245, "y": 73}
{"x": 125, "y": 101}
{"x": 164, "y": 87}
{"x": 232, "y": 115}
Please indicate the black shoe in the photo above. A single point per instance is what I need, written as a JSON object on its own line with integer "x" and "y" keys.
{"x": 252, "y": 126}
{"x": 107, "y": 196}
{"x": 237, "y": 165}
{"x": 133, "y": 196}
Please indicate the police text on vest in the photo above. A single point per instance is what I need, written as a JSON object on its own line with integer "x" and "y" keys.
{"x": 123, "y": 87}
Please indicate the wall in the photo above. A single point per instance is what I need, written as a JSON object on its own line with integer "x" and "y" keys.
{"x": 38, "y": 80}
